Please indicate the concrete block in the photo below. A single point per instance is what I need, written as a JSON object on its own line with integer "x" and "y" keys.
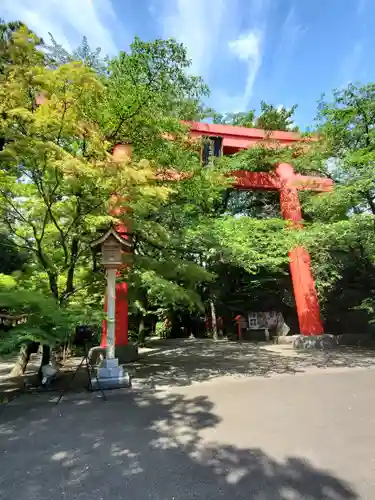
{"x": 123, "y": 382}
{"x": 111, "y": 363}
{"x": 322, "y": 342}
{"x": 110, "y": 369}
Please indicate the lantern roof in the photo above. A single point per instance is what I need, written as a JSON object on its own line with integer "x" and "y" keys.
{"x": 111, "y": 233}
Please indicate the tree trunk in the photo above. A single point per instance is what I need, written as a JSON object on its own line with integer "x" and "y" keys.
{"x": 70, "y": 276}
{"x": 67, "y": 351}
{"x": 53, "y": 285}
{"x": 22, "y": 360}
{"x": 141, "y": 331}
{"x": 371, "y": 203}
{"x": 214, "y": 321}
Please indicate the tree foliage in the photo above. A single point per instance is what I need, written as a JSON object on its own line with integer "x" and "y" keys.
{"x": 59, "y": 183}
{"x": 341, "y": 236}
{"x": 270, "y": 118}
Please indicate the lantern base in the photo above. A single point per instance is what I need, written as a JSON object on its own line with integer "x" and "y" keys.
{"x": 110, "y": 376}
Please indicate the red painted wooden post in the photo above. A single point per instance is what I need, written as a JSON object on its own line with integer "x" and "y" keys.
{"x": 120, "y": 152}
{"x": 238, "y": 321}
{"x": 121, "y": 325}
{"x": 122, "y": 333}
{"x": 305, "y": 294}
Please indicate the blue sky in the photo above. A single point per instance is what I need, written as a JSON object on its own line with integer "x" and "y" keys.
{"x": 281, "y": 51}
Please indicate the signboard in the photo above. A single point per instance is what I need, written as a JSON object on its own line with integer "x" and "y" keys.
{"x": 263, "y": 321}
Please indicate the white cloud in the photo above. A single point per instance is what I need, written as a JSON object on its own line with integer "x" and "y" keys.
{"x": 208, "y": 29}
{"x": 282, "y": 52}
{"x": 67, "y": 20}
{"x": 195, "y": 23}
{"x": 246, "y": 46}
{"x": 225, "y": 102}
{"x": 291, "y": 30}
{"x": 248, "y": 49}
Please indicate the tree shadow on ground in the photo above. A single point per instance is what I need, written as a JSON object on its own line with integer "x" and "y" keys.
{"x": 143, "y": 446}
{"x": 182, "y": 362}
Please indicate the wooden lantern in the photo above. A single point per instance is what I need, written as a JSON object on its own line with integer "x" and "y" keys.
{"x": 111, "y": 245}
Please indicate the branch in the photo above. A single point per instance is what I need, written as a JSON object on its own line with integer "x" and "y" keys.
{"x": 69, "y": 289}
{"x": 44, "y": 224}
{"x": 38, "y": 250}
{"x": 62, "y": 120}
{"x": 123, "y": 119}
{"x": 370, "y": 202}
{"x": 48, "y": 203}
{"x": 140, "y": 106}
{"x": 20, "y": 215}
{"x": 14, "y": 231}
{"x": 79, "y": 215}
{"x": 14, "y": 244}
{"x": 158, "y": 246}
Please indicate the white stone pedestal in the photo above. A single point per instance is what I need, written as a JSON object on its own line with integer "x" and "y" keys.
{"x": 111, "y": 376}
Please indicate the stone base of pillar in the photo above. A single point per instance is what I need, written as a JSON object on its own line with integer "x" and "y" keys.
{"x": 111, "y": 376}
{"x": 322, "y": 342}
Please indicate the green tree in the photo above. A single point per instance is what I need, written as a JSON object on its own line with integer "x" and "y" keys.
{"x": 57, "y": 55}
{"x": 342, "y": 234}
{"x": 57, "y": 177}
{"x": 59, "y": 181}
{"x": 6, "y": 41}
{"x": 12, "y": 257}
{"x": 39, "y": 318}
{"x": 241, "y": 119}
{"x": 269, "y": 118}
{"x": 276, "y": 118}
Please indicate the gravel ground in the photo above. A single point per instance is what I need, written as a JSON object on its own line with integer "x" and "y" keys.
{"x": 184, "y": 362}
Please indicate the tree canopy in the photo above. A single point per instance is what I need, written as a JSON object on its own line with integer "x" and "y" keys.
{"x": 59, "y": 183}
{"x": 270, "y": 118}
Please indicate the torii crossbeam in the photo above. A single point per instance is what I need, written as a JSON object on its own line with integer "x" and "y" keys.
{"x": 288, "y": 183}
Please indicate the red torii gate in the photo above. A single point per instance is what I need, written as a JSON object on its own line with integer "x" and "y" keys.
{"x": 284, "y": 180}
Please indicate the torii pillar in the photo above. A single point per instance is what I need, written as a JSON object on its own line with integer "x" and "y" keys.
{"x": 288, "y": 184}
{"x": 121, "y": 152}
{"x": 305, "y": 294}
